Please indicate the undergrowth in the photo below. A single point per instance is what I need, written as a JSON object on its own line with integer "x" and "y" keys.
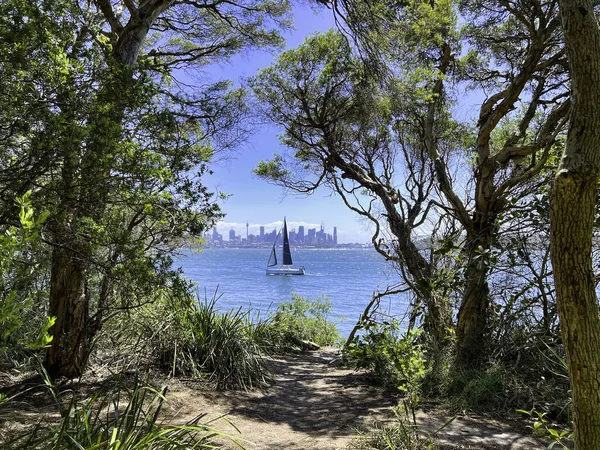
{"x": 395, "y": 357}
{"x": 191, "y": 337}
{"x": 126, "y": 419}
{"x": 505, "y": 383}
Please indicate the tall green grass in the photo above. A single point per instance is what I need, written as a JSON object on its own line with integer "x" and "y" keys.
{"x": 127, "y": 419}
{"x": 220, "y": 346}
{"x": 229, "y": 348}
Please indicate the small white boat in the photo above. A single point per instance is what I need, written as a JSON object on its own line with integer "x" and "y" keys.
{"x": 286, "y": 268}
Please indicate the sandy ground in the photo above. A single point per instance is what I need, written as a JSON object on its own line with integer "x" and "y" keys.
{"x": 315, "y": 405}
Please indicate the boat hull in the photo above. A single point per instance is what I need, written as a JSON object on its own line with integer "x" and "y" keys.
{"x": 284, "y": 270}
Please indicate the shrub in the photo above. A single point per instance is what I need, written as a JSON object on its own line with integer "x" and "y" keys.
{"x": 189, "y": 336}
{"x": 481, "y": 390}
{"x": 221, "y": 346}
{"x": 305, "y": 320}
{"x": 396, "y": 358}
{"x": 507, "y": 383}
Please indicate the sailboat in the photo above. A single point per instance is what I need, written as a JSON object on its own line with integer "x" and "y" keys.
{"x": 285, "y": 268}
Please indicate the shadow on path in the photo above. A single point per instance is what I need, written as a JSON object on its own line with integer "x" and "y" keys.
{"x": 311, "y": 396}
{"x": 314, "y": 405}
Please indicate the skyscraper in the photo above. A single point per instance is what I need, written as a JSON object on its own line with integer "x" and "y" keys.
{"x": 300, "y": 234}
{"x": 262, "y": 234}
{"x": 311, "y": 237}
{"x": 232, "y": 235}
{"x": 334, "y": 235}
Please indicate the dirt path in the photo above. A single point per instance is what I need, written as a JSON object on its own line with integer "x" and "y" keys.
{"x": 314, "y": 405}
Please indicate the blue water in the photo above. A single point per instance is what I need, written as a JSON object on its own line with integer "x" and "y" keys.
{"x": 348, "y": 277}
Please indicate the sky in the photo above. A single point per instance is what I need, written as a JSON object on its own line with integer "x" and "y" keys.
{"x": 256, "y": 202}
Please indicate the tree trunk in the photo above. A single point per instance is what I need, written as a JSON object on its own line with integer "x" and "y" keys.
{"x": 438, "y": 317}
{"x": 68, "y": 302}
{"x": 473, "y": 317}
{"x": 572, "y": 209}
{"x": 473, "y": 313}
{"x": 66, "y": 355}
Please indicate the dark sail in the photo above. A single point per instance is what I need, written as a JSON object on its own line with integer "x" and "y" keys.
{"x": 287, "y": 254}
{"x": 273, "y": 258}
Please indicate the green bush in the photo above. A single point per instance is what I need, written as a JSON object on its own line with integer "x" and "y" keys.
{"x": 305, "y": 320}
{"x": 222, "y": 346}
{"x": 396, "y": 358}
{"x": 189, "y": 336}
{"x": 503, "y": 384}
{"x": 481, "y": 390}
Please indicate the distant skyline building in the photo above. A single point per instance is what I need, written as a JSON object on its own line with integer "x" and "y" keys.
{"x": 300, "y": 234}
{"x": 232, "y": 235}
{"x": 216, "y": 237}
{"x": 335, "y": 236}
{"x": 311, "y": 236}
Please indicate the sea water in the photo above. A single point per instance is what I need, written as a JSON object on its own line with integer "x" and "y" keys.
{"x": 347, "y": 277}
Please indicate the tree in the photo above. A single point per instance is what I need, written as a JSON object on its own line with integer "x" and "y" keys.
{"x": 520, "y": 67}
{"x": 573, "y": 207}
{"x": 121, "y": 145}
{"x": 521, "y": 51}
{"x": 340, "y": 124}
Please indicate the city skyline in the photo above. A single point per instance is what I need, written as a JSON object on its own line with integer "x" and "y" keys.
{"x": 300, "y": 233}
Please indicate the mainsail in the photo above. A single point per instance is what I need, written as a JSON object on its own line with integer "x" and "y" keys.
{"x": 287, "y": 254}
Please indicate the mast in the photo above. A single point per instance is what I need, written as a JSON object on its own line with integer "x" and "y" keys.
{"x": 287, "y": 254}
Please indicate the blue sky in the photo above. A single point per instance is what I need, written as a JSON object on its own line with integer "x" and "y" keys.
{"x": 253, "y": 200}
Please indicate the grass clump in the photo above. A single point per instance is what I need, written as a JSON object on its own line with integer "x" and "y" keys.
{"x": 226, "y": 344}
{"x": 506, "y": 384}
{"x": 402, "y": 434}
{"x": 191, "y": 337}
{"x": 482, "y": 390}
{"x": 220, "y": 346}
{"x": 127, "y": 419}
